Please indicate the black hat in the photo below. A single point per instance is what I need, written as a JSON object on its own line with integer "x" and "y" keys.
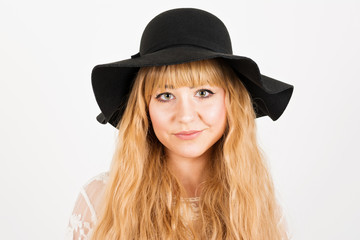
{"x": 178, "y": 36}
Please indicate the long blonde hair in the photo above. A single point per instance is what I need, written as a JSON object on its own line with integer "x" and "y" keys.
{"x": 237, "y": 201}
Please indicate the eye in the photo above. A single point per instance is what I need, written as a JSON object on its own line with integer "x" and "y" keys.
{"x": 166, "y": 94}
{"x": 204, "y": 91}
{"x": 165, "y": 97}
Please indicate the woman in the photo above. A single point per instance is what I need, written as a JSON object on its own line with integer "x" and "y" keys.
{"x": 187, "y": 164}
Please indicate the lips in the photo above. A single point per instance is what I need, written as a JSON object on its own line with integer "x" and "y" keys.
{"x": 188, "y": 135}
{"x": 187, "y": 132}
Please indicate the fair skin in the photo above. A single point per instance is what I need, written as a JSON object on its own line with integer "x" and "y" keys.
{"x": 185, "y": 109}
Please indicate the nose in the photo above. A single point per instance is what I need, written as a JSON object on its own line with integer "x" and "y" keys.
{"x": 186, "y": 110}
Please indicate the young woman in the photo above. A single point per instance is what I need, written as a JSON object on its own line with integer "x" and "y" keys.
{"x": 187, "y": 164}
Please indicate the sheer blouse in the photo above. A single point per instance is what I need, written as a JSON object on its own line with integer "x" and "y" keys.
{"x": 87, "y": 206}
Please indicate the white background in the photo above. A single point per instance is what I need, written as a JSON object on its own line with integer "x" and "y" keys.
{"x": 51, "y": 143}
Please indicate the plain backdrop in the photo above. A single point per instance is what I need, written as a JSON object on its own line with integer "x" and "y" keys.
{"x": 51, "y": 143}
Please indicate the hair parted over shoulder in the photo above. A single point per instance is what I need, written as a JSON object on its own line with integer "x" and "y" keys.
{"x": 142, "y": 197}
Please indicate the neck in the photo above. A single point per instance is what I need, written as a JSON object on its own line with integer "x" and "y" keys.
{"x": 191, "y": 172}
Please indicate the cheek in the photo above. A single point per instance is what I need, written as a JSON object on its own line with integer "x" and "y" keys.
{"x": 215, "y": 113}
{"x": 158, "y": 119}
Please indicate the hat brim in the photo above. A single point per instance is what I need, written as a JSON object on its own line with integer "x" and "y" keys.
{"x": 111, "y": 83}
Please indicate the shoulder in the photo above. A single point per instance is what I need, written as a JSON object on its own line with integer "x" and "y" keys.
{"x": 95, "y": 187}
{"x": 93, "y": 190}
{"x": 100, "y": 178}
{"x": 87, "y": 207}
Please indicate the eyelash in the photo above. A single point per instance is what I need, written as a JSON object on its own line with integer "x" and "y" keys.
{"x": 201, "y": 90}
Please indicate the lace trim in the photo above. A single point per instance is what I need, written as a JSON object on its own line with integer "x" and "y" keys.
{"x": 193, "y": 199}
{"x": 104, "y": 176}
{"x": 89, "y": 204}
{"x": 195, "y": 211}
{"x": 78, "y": 225}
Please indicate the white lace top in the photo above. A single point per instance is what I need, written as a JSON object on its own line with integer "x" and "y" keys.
{"x": 84, "y": 215}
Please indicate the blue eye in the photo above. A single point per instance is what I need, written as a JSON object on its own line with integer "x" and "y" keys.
{"x": 167, "y": 94}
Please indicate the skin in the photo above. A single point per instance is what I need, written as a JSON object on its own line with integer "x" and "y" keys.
{"x": 187, "y": 109}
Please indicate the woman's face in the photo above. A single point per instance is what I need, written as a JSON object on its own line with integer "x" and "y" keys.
{"x": 188, "y": 109}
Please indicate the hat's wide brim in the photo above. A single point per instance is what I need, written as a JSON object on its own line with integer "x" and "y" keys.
{"x": 112, "y": 82}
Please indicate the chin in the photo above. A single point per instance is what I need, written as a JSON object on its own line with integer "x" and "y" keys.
{"x": 189, "y": 152}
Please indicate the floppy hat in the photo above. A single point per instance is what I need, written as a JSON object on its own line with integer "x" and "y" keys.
{"x": 178, "y": 36}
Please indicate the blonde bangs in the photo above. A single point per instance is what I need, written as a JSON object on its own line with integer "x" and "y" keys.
{"x": 191, "y": 74}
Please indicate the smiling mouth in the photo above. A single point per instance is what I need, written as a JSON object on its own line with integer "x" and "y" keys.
{"x": 187, "y": 132}
{"x": 188, "y": 135}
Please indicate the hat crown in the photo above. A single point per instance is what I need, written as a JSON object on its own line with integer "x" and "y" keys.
{"x": 185, "y": 26}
